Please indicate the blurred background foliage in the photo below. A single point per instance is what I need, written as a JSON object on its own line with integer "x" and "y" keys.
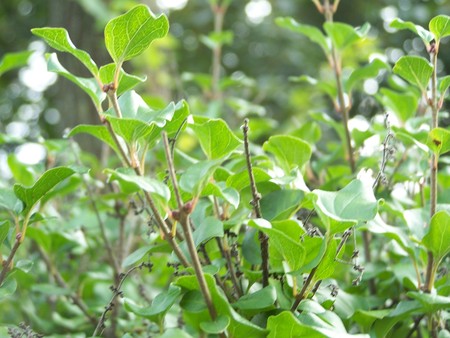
{"x": 258, "y": 59}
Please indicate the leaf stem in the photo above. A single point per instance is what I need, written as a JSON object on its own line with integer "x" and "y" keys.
{"x": 219, "y": 11}
{"x": 263, "y": 238}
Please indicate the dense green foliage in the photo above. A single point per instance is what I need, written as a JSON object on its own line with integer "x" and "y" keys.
{"x": 198, "y": 220}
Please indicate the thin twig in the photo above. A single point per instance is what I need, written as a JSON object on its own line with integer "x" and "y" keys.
{"x": 7, "y": 264}
{"x": 263, "y": 238}
{"x": 116, "y": 293}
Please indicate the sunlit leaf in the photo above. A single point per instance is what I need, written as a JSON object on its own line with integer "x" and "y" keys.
{"x": 59, "y": 39}
{"x": 130, "y": 34}
{"x": 369, "y": 71}
{"x": 437, "y": 240}
{"x": 440, "y": 26}
{"x": 343, "y": 35}
{"x": 416, "y": 70}
{"x": 439, "y": 141}
{"x": 126, "y": 81}
{"x": 88, "y": 85}
{"x": 11, "y": 61}
{"x": 289, "y": 151}
{"x": 311, "y": 32}
{"x": 426, "y": 36}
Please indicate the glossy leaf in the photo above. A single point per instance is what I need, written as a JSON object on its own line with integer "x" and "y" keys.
{"x": 292, "y": 251}
{"x": 22, "y": 173}
{"x": 369, "y": 71}
{"x": 197, "y": 176}
{"x": 311, "y": 32}
{"x": 239, "y": 326}
{"x": 159, "y": 307}
{"x": 426, "y": 36}
{"x": 126, "y": 81}
{"x": 257, "y": 301}
{"x": 403, "y": 105}
{"x": 343, "y": 35}
{"x": 88, "y": 85}
{"x": 216, "y": 138}
{"x": 11, "y": 61}
{"x": 430, "y": 302}
{"x": 241, "y": 180}
{"x": 439, "y": 141}
{"x": 140, "y": 182}
{"x": 286, "y": 324}
{"x": 130, "y": 34}
{"x": 416, "y": 70}
{"x": 440, "y": 26}
{"x": 217, "y": 326}
{"x": 290, "y": 151}
{"x": 437, "y": 240}
{"x": 98, "y": 131}
{"x": 9, "y": 201}
{"x": 59, "y": 39}
{"x": 342, "y": 209}
{"x": 32, "y": 195}
{"x": 281, "y": 204}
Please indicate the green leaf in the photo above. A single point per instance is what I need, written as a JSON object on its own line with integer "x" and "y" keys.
{"x": 292, "y": 251}
{"x": 342, "y": 209}
{"x": 59, "y": 39}
{"x": 414, "y": 69}
{"x": 343, "y": 35}
{"x": 159, "y": 307}
{"x": 369, "y": 71}
{"x": 126, "y": 81}
{"x": 217, "y": 326}
{"x": 437, "y": 240}
{"x": 210, "y": 227}
{"x": 258, "y": 301}
{"x": 88, "y": 85}
{"x": 440, "y": 26}
{"x": 239, "y": 326}
{"x": 241, "y": 180}
{"x": 175, "y": 333}
{"x": 404, "y": 105}
{"x": 281, "y": 204}
{"x": 11, "y": 61}
{"x": 197, "y": 176}
{"x": 286, "y": 324}
{"x": 426, "y": 36}
{"x": 22, "y": 173}
{"x": 217, "y": 39}
{"x": 444, "y": 83}
{"x": 98, "y": 131}
{"x": 8, "y": 287}
{"x": 140, "y": 182}
{"x": 136, "y": 256}
{"x": 439, "y": 141}
{"x": 130, "y": 34}
{"x": 431, "y": 302}
{"x": 216, "y": 138}
{"x": 311, "y": 32}
{"x": 290, "y": 151}
{"x": 4, "y": 230}
{"x": 32, "y": 195}
{"x": 9, "y": 201}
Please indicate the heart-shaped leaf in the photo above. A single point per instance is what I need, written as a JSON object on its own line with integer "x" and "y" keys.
{"x": 437, "y": 240}
{"x": 439, "y": 141}
{"x": 440, "y": 26}
{"x": 130, "y": 34}
{"x": 414, "y": 69}
{"x": 59, "y": 39}
{"x": 289, "y": 151}
{"x": 216, "y": 138}
{"x": 342, "y": 209}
